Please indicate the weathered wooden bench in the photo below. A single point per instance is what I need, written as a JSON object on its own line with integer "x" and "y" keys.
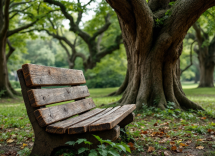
{"x": 56, "y": 125}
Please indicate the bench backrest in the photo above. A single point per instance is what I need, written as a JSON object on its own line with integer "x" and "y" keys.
{"x": 39, "y": 76}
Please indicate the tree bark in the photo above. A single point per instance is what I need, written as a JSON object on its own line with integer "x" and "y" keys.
{"x": 4, "y": 80}
{"x": 4, "y": 19}
{"x": 153, "y": 50}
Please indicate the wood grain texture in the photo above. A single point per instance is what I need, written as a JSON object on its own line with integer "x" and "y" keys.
{"x": 37, "y": 75}
{"x": 83, "y": 126}
{"x": 61, "y": 127}
{"x": 110, "y": 121}
{"x": 41, "y": 97}
{"x": 46, "y": 116}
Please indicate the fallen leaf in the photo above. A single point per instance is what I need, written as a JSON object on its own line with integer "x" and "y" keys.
{"x": 167, "y": 136}
{"x": 13, "y": 136}
{"x": 163, "y": 141}
{"x": 200, "y": 147}
{"x": 10, "y": 141}
{"x": 209, "y": 139}
{"x": 173, "y": 148}
{"x": 24, "y": 145}
{"x": 188, "y": 142}
{"x": 178, "y": 141}
{"x": 151, "y": 149}
{"x": 143, "y": 132}
{"x": 131, "y": 146}
{"x": 156, "y": 124}
{"x": 167, "y": 153}
{"x": 183, "y": 145}
{"x": 179, "y": 150}
{"x": 200, "y": 139}
{"x": 172, "y": 143}
{"x": 138, "y": 114}
{"x": 203, "y": 118}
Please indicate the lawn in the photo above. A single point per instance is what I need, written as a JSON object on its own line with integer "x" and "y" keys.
{"x": 155, "y": 132}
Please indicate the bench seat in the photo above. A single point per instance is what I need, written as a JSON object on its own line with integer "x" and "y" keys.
{"x": 95, "y": 120}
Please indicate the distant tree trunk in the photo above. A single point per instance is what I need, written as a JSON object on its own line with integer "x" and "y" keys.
{"x": 206, "y": 57}
{"x": 4, "y": 20}
{"x": 206, "y": 72}
{"x": 196, "y": 77}
{"x": 4, "y": 80}
{"x": 153, "y": 49}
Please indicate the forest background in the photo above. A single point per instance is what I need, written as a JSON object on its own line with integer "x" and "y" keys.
{"x": 49, "y": 42}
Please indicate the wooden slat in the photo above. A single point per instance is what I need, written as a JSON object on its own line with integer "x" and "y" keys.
{"x": 61, "y": 127}
{"x": 113, "y": 119}
{"x": 37, "y": 75}
{"x": 46, "y": 116}
{"x": 83, "y": 126}
{"x": 41, "y": 97}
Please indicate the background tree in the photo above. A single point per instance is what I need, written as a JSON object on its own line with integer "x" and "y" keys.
{"x": 28, "y": 14}
{"x": 92, "y": 36}
{"x": 153, "y": 33}
{"x": 203, "y": 35}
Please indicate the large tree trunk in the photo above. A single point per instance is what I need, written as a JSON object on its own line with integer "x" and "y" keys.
{"x": 153, "y": 49}
{"x": 153, "y": 78}
{"x": 206, "y": 72}
{"x": 4, "y": 81}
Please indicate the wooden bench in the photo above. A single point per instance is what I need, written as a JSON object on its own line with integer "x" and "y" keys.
{"x": 56, "y": 125}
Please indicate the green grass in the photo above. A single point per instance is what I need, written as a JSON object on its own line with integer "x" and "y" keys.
{"x": 14, "y": 122}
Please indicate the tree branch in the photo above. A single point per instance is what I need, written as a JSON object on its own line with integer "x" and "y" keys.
{"x": 6, "y": 17}
{"x": 11, "y": 32}
{"x": 88, "y": 3}
{"x": 190, "y": 36}
{"x": 182, "y": 13}
{"x": 65, "y": 48}
{"x": 99, "y": 42}
{"x": 19, "y": 3}
{"x": 191, "y": 58}
{"x": 129, "y": 12}
{"x": 23, "y": 12}
{"x": 20, "y": 11}
{"x": 73, "y": 27}
{"x": 81, "y": 55}
{"x": 52, "y": 24}
{"x": 197, "y": 29}
{"x": 56, "y": 36}
{"x": 110, "y": 49}
{"x": 11, "y": 49}
{"x": 104, "y": 28}
{"x": 156, "y": 5}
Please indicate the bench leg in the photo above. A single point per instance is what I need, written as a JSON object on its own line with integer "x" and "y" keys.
{"x": 130, "y": 118}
